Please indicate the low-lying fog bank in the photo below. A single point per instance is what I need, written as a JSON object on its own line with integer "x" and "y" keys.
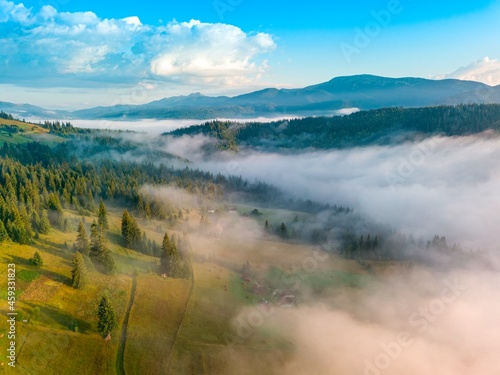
{"x": 445, "y": 186}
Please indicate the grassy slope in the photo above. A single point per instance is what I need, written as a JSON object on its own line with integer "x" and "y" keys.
{"x": 48, "y": 342}
{"x": 154, "y": 318}
{"x": 49, "y": 339}
{"x": 32, "y": 132}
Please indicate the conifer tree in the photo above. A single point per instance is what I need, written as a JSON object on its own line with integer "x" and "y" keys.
{"x": 125, "y": 224}
{"x": 55, "y": 210}
{"x": 102, "y": 215}
{"x": 99, "y": 252}
{"x": 95, "y": 241}
{"x": 172, "y": 262}
{"x": 19, "y": 229}
{"x": 130, "y": 231}
{"x": 3, "y": 232}
{"x": 106, "y": 317}
{"x": 165, "y": 254}
{"x": 82, "y": 242}
{"x": 79, "y": 272}
{"x": 36, "y": 260}
{"x": 44, "y": 223}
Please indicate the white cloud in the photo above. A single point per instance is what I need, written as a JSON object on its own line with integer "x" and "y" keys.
{"x": 14, "y": 12}
{"x": 210, "y": 50}
{"x": 49, "y": 48}
{"x": 85, "y": 59}
{"x": 132, "y": 21}
{"x": 485, "y": 70}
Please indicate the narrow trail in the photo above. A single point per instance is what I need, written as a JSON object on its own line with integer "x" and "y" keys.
{"x": 182, "y": 319}
{"x": 120, "y": 357}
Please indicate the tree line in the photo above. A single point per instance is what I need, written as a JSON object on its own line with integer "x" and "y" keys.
{"x": 363, "y": 128}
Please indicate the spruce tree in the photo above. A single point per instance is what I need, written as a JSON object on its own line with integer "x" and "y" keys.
{"x": 79, "y": 272}
{"x": 125, "y": 224}
{"x": 19, "y": 229}
{"x": 36, "y": 260}
{"x": 102, "y": 215}
{"x": 130, "y": 231}
{"x": 165, "y": 255}
{"x": 3, "y": 232}
{"x": 170, "y": 261}
{"x": 82, "y": 242}
{"x": 174, "y": 261}
{"x": 44, "y": 223}
{"x": 55, "y": 210}
{"x": 95, "y": 249}
{"x": 99, "y": 252}
{"x": 106, "y": 317}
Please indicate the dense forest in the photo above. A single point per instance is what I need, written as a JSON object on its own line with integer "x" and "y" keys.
{"x": 376, "y": 127}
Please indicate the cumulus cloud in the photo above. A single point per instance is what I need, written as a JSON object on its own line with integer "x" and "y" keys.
{"x": 14, "y": 12}
{"x": 51, "y": 48}
{"x": 211, "y": 50}
{"x": 485, "y": 70}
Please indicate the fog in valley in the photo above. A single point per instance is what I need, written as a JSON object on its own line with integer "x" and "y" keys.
{"x": 414, "y": 318}
{"x": 439, "y": 316}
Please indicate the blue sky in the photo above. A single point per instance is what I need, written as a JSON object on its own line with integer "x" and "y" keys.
{"x": 74, "y": 54}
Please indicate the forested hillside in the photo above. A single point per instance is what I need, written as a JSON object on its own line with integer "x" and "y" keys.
{"x": 37, "y": 182}
{"x": 376, "y": 127}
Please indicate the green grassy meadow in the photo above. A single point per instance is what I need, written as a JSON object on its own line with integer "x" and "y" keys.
{"x": 27, "y": 132}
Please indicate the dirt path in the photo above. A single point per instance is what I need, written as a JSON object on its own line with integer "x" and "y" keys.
{"x": 120, "y": 357}
{"x": 182, "y": 318}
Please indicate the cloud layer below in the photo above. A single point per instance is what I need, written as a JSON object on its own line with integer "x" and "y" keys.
{"x": 445, "y": 186}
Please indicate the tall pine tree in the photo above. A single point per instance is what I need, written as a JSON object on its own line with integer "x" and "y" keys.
{"x": 106, "y": 317}
{"x": 99, "y": 252}
{"x": 3, "y": 232}
{"x": 79, "y": 272}
{"x": 165, "y": 255}
{"x": 102, "y": 215}
{"x": 82, "y": 242}
{"x": 170, "y": 261}
{"x": 130, "y": 231}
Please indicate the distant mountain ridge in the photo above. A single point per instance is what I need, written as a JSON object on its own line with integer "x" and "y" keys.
{"x": 359, "y": 91}
{"x": 22, "y": 111}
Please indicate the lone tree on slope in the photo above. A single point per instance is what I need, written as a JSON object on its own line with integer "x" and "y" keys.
{"x": 106, "y": 316}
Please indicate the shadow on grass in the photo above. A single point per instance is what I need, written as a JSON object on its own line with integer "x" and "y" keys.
{"x": 50, "y": 274}
{"x": 151, "y": 265}
{"x": 53, "y": 315}
{"x": 115, "y": 238}
{"x": 54, "y": 249}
